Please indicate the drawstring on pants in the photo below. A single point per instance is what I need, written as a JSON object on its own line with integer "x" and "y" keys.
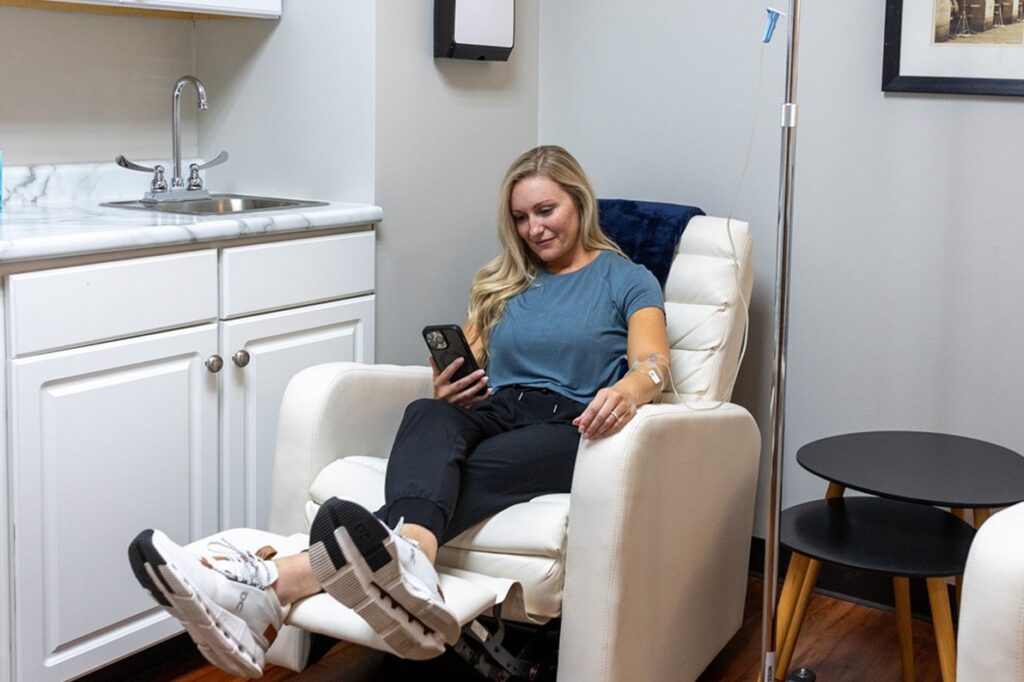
{"x": 522, "y": 390}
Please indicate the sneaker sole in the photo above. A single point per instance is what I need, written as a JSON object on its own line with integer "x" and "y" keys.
{"x": 222, "y": 637}
{"x": 354, "y": 558}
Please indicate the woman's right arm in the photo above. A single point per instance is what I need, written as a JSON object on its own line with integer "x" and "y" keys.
{"x": 468, "y": 390}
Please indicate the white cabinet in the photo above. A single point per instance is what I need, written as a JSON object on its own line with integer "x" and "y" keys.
{"x": 265, "y": 352}
{"x": 262, "y": 352}
{"x": 107, "y": 440}
{"x": 245, "y": 8}
{"x": 69, "y": 307}
{"x": 144, "y": 392}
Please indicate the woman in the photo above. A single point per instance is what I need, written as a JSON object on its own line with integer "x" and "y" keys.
{"x": 550, "y": 320}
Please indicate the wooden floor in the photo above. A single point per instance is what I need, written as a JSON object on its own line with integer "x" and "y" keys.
{"x": 840, "y": 641}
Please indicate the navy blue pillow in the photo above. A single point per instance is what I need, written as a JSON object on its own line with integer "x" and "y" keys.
{"x": 648, "y": 231}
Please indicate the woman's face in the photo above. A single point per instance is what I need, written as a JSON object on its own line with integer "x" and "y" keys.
{"x": 546, "y": 219}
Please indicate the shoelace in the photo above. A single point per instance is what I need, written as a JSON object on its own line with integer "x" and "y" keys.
{"x": 242, "y": 565}
{"x": 397, "y": 530}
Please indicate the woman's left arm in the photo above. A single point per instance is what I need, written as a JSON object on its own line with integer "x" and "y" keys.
{"x": 615, "y": 405}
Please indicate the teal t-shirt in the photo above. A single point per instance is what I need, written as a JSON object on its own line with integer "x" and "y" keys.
{"x": 567, "y": 333}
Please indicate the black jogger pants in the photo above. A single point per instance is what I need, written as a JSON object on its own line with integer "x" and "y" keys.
{"x": 452, "y": 467}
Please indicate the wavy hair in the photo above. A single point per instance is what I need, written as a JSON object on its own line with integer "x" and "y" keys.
{"x": 516, "y": 266}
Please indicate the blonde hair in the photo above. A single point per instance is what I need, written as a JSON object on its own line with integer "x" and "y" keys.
{"x": 513, "y": 270}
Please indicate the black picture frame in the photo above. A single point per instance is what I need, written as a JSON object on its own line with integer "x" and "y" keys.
{"x": 894, "y": 81}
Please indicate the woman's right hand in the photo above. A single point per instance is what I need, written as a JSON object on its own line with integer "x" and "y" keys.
{"x": 466, "y": 391}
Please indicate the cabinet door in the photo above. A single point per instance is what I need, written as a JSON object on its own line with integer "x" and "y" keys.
{"x": 248, "y": 8}
{"x": 278, "y": 345}
{"x": 106, "y": 440}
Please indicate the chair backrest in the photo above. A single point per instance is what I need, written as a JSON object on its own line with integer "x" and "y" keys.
{"x": 707, "y": 295}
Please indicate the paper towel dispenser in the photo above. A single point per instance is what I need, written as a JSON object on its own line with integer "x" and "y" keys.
{"x": 474, "y": 29}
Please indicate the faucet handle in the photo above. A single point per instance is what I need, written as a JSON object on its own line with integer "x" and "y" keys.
{"x": 194, "y": 181}
{"x": 131, "y": 165}
{"x": 215, "y": 161}
{"x": 159, "y": 182}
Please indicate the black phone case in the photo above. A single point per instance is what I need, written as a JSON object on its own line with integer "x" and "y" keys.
{"x": 454, "y": 346}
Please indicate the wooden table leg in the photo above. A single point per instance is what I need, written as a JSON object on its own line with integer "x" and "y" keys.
{"x": 981, "y": 515}
{"x": 801, "y": 576}
{"x": 797, "y": 621}
{"x": 961, "y": 514}
{"x": 791, "y": 588}
{"x": 801, "y": 587}
{"x": 942, "y": 619}
{"x": 901, "y": 590}
{"x": 834, "y": 490}
{"x": 795, "y": 575}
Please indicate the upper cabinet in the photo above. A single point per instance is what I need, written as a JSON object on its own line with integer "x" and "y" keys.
{"x": 268, "y": 9}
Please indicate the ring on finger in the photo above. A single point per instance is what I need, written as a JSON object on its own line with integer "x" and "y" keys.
{"x": 615, "y": 415}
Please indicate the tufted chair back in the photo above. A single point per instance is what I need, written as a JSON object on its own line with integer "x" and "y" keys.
{"x": 706, "y": 299}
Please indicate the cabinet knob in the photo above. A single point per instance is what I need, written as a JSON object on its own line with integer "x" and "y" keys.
{"x": 214, "y": 363}
{"x": 241, "y": 358}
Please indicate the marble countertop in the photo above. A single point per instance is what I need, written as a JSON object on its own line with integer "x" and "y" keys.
{"x": 29, "y": 232}
{"x": 55, "y": 211}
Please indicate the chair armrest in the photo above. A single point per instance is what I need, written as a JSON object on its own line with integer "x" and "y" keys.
{"x": 660, "y": 522}
{"x": 330, "y": 411}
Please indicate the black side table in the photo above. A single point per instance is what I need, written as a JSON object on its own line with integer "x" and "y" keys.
{"x": 918, "y": 466}
{"x": 904, "y": 535}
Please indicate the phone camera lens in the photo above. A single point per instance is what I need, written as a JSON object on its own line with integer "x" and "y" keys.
{"x": 436, "y": 340}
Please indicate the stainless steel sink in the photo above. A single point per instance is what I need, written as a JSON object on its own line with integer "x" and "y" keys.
{"x": 216, "y": 204}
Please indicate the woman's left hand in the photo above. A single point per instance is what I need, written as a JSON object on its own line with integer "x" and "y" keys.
{"x": 606, "y": 414}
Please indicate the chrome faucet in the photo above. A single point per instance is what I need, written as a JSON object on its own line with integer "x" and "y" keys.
{"x": 177, "y": 180}
{"x": 179, "y": 189}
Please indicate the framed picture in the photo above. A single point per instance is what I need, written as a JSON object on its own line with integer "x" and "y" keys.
{"x": 965, "y": 47}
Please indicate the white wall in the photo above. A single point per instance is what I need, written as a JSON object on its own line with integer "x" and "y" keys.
{"x": 291, "y": 101}
{"x": 906, "y": 235}
{"x": 446, "y": 131}
{"x": 906, "y": 286}
{"x": 86, "y": 87}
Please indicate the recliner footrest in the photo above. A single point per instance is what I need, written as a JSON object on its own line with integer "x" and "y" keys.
{"x": 467, "y": 594}
{"x": 323, "y": 614}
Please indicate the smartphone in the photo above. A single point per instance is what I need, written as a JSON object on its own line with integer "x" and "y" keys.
{"x": 446, "y": 342}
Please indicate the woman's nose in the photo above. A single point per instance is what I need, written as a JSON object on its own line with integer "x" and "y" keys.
{"x": 535, "y": 225}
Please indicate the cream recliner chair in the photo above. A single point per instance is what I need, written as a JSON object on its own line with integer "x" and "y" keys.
{"x": 645, "y": 561}
{"x": 990, "y": 638}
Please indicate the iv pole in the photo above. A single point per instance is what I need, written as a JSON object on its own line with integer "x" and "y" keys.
{"x": 777, "y": 416}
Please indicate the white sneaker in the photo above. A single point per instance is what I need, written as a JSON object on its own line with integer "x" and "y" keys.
{"x": 224, "y": 600}
{"x": 383, "y": 576}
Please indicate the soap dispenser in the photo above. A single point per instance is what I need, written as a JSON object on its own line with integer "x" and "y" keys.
{"x": 482, "y": 30}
